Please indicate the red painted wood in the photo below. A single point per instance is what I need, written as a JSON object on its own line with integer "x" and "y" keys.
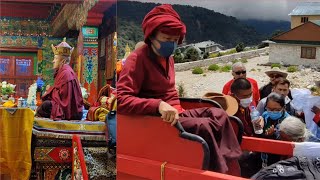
{"x": 267, "y": 145}
{"x": 151, "y": 138}
{"x": 76, "y": 138}
{"x": 135, "y": 168}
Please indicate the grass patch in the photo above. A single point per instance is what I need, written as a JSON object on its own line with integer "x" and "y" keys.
{"x": 235, "y": 61}
{"x": 213, "y": 67}
{"x": 232, "y": 51}
{"x": 244, "y": 60}
{"x": 225, "y": 68}
{"x": 197, "y": 70}
{"x": 275, "y": 65}
{"x": 253, "y": 69}
{"x": 292, "y": 69}
{"x": 204, "y": 75}
{"x": 259, "y": 70}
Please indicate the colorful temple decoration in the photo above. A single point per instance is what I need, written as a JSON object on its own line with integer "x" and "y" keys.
{"x": 24, "y": 27}
{"x": 89, "y": 66}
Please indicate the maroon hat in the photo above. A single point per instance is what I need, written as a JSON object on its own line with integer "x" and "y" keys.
{"x": 165, "y": 19}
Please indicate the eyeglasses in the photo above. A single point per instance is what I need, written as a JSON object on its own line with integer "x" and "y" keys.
{"x": 275, "y": 76}
{"x": 240, "y": 72}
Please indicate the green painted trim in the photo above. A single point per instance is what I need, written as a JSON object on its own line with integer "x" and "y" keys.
{"x": 33, "y": 54}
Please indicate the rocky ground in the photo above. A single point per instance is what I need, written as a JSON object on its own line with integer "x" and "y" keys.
{"x": 196, "y": 85}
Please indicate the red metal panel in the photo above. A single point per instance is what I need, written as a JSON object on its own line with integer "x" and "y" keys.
{"x": 267, "y": 146}
{"x": 135, "y": 168}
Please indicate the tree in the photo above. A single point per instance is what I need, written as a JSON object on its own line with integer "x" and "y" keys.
{"x": 178, "y": 56}
{"x": 240, "y": 47}
{"x": 206, "y": 55}
{"x": 192, "y": 53}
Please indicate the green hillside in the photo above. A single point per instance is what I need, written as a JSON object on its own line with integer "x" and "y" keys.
{"x": 202, "y": 24}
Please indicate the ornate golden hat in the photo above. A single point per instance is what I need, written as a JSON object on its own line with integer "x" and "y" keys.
{"x": 63, "y": 49}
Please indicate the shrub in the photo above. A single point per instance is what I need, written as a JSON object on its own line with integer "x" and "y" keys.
{"x": 253, "y": 69}
{"x": 240, "y": 47}
{"x": 226, "y": 68}
{"x": 275, "y": 65}
{"x": 206, "y": 55}
{"x": 204, "y": 75}
{"x": 263, "y": 45}
{"x": 213, "y": 67}
{"x": 244, "y": 60}
{"x": 181, "y": 90}
{"x": 197, "y": 70}
{"x": 234, "y": 61}
{"x": 292, "y": 69}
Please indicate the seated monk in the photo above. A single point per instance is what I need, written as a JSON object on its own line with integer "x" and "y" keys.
{"x": 146, "y": 86}
{"x": 64, "y": 99}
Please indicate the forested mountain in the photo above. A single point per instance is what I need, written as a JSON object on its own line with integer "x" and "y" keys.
{"x": 267, "y": 27}
{"x": 202, "y": 24}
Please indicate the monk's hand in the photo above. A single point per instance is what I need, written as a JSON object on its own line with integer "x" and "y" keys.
{"x": 315, "y": 109}
{"x": 270, "y": 131}
{"x": 168, "y": 113}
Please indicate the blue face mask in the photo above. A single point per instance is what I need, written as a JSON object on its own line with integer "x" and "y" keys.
{"x": 166, "y": 48}
{"x": 275, "y": 115}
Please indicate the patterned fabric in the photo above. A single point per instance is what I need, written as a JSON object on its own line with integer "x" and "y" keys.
{"x": 100, "y": 164}
{"x": 88, "y": 130}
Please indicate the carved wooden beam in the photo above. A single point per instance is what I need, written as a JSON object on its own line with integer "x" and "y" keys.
{"x": 71, "y": 17}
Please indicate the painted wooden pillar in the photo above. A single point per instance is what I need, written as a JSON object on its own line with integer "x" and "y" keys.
{"x": 89, "y": 62}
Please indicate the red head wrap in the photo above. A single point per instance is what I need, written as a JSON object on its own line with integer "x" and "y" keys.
{"x": 165, "y": 19}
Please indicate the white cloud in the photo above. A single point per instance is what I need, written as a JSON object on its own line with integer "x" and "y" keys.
{"x": 244, "y": 9}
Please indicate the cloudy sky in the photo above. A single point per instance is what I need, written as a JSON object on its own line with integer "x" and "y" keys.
{"x": 244, "y": 9}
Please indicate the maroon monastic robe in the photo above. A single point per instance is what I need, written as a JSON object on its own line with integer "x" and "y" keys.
{"x": 144, "y": 83}
{"x": 65, "y": 95}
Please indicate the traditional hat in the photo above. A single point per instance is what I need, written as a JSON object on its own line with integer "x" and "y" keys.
{"x": 63, "y": 49}
{"x": 227, "y": 102}
{"x": 165, "y": 19}
{"x": 276, "y": 70}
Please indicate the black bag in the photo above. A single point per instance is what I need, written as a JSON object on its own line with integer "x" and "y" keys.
{"x": 295, "y": 168}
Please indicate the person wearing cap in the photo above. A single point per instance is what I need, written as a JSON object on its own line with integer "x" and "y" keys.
{"x": 239, "y": 71}
{"x": 274, "y": 74}
{"x": 281, "y": 87}
{"x": 146, "y": 86}
{"x": 62, "y": 101}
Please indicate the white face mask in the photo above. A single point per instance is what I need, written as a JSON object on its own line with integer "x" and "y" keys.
{"x": 246, "y": 102}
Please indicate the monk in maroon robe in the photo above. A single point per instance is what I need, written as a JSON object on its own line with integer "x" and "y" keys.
{"x": 146, "y": 86}
{"x": 64, "y": 100}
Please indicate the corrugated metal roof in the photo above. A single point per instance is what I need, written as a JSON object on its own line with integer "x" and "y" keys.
{"x": 306, "y": 8}
{"x": 317, "y": 22}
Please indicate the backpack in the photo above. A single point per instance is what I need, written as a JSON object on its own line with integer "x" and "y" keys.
{"x": 294, "y": 168}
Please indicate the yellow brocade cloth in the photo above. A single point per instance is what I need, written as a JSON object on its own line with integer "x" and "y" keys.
{"x": 15, "y": 142}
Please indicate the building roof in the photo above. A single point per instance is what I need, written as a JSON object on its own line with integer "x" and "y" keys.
{"x": 298, "y": 34}
{"x": 306, "y": 8}
{"x": 206, "y": 44}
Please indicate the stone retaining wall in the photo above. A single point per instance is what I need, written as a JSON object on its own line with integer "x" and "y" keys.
{"x": 222, "y": 59}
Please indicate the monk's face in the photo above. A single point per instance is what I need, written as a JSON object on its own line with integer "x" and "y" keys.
{"x": 162, "y": 37}
{"x": 58, "y": 61}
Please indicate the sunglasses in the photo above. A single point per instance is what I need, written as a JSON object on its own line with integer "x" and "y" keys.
{"x": 240, "y": 72}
